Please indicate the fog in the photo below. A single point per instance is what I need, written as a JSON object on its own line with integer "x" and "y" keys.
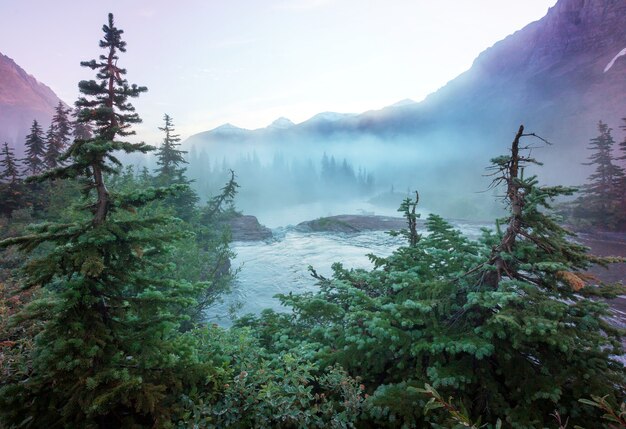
{"x": 283, "y": 183}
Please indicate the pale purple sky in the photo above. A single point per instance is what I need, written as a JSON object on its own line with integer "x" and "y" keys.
{"x": 248, "y": 62}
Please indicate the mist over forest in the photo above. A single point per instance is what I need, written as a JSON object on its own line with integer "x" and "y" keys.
{"x": 456, "y": 262}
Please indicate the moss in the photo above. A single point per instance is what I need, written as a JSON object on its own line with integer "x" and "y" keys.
{"x": 332, "y": 224}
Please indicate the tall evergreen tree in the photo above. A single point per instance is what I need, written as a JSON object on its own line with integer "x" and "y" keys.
{"x": 172, "y": 170}
{"x": 12, "y": 195}
{"x": 169, "y": 158}
{"x": 63, "y": 124}
{"x": 109, "y": 113}
{"x": 9, "y": 169}
{"x": 108, "y": 356}
{"x": 53, "y": 147}
{"x": 58, "y": 136}
{"x": 35, "y": 150}
{"x": 601, "y": 198}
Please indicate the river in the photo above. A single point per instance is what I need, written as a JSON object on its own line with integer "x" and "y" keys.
{"x": 280, "y": 265}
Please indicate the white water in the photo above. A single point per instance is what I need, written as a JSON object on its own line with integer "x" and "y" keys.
{"x": 280, "y": 265}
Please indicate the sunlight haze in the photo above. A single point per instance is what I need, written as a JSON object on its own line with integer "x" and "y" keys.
{"x": 248, "y": 63}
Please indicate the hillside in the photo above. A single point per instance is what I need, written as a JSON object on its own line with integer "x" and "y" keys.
{"x": 22, "y": 99}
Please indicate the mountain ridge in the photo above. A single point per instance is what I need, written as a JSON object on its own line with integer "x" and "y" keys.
{"x": 548, "y": 75}
{"x": 22, "y": 99}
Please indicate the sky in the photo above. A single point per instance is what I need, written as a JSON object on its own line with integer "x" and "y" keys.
{"x": 248, "y": 62}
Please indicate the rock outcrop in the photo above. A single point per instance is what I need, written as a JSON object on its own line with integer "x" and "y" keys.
{"x": 352, "y": 224}
{"x": 248, "y": 228}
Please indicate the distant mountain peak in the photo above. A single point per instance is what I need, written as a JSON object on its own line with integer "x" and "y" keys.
{"x": 281, "y": 123}
{"x": 558, "y": 75}
{"x": 229, "y": 128}
{"x": 404, "y": 102}
{"x": 330, "y": 116}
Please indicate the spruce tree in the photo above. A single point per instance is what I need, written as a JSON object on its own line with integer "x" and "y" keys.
{"x": 58, "y": 136}
{"x": 62, "y": 124}
{"x": 109, "y": 355}
{"x": 171, "y": 170}
{"x": 53, "y": 147}
{"x": 600, "y": 202}
{"x": 35, "y": 150}
{"x": 11, "y": 187}
{"x": 9, "y": 169}
{"x": 169, "y": 158}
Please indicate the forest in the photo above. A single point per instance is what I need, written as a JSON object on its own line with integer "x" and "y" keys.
{"x": 107, "y": 272}
{"x": 327, "y": 179}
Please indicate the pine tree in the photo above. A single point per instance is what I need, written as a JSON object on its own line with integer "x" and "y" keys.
{"x": 172, "y": 171}
{"x": 35, "y": 150}
{"x": 10, "y": 172}
{"x": 601, "y": 195}
{"x": 62, "y": 124}
{"x": 58, "y": 136}
{"x": 11, "y": 187}
{"x": 109, "y": 355}
{"x": 53, "y": 147}
{"x": 169, "y": 158}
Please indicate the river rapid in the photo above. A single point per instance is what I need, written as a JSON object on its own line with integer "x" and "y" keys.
{"x": 280, "y": 265}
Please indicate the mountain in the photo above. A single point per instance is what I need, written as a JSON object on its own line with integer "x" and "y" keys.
{"x": 22, "y": 99}
{"x": 281, "y": 123}
{"x": 553, "y": 75}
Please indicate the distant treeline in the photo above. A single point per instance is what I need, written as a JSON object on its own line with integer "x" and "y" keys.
{"x": 281, "y": 181}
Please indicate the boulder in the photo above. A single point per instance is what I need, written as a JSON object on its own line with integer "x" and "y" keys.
{"x": 248, "y": 228}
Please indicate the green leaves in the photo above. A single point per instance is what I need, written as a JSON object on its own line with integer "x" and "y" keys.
{"x": 495, "y": 323}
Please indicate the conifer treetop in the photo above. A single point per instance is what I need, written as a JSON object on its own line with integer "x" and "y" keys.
{"x": 35, "y": 149}
{"x": 9, "y": 170}
{"x": 104, "y": 108}
{"x": 169, "y": 158}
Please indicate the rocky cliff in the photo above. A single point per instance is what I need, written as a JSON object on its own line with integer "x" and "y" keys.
{"x": 22, "y": 99}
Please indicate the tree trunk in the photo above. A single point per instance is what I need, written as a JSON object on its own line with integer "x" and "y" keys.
{"x": 102, "y": 205}
{"x": 516, "y": 199}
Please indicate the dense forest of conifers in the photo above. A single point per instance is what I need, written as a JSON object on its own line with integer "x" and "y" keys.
{"x": 107, "y": 273}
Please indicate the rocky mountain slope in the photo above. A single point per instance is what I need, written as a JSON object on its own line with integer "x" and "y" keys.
{"x": 22, "y": 99}
{"x": 553, "y": 76}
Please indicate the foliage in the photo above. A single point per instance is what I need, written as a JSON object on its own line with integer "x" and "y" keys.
{"x": 35, "y": 150}
{"x": 458, "y": 417}
{"x": 171, "y": 171}
{"x": 101, "y": 325}
{"x": 611, "y": 414}
{"x": 603, "y": 200}
{"x": 168, "y": 157}
{"x": 58, "y": 136}
{"x": 278, "y": 391}
{"x": 507, "y": 324}
{"x": 11, "y": 189}
{"x": 407, "y": 207}
{"x": 109, "y": 354}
